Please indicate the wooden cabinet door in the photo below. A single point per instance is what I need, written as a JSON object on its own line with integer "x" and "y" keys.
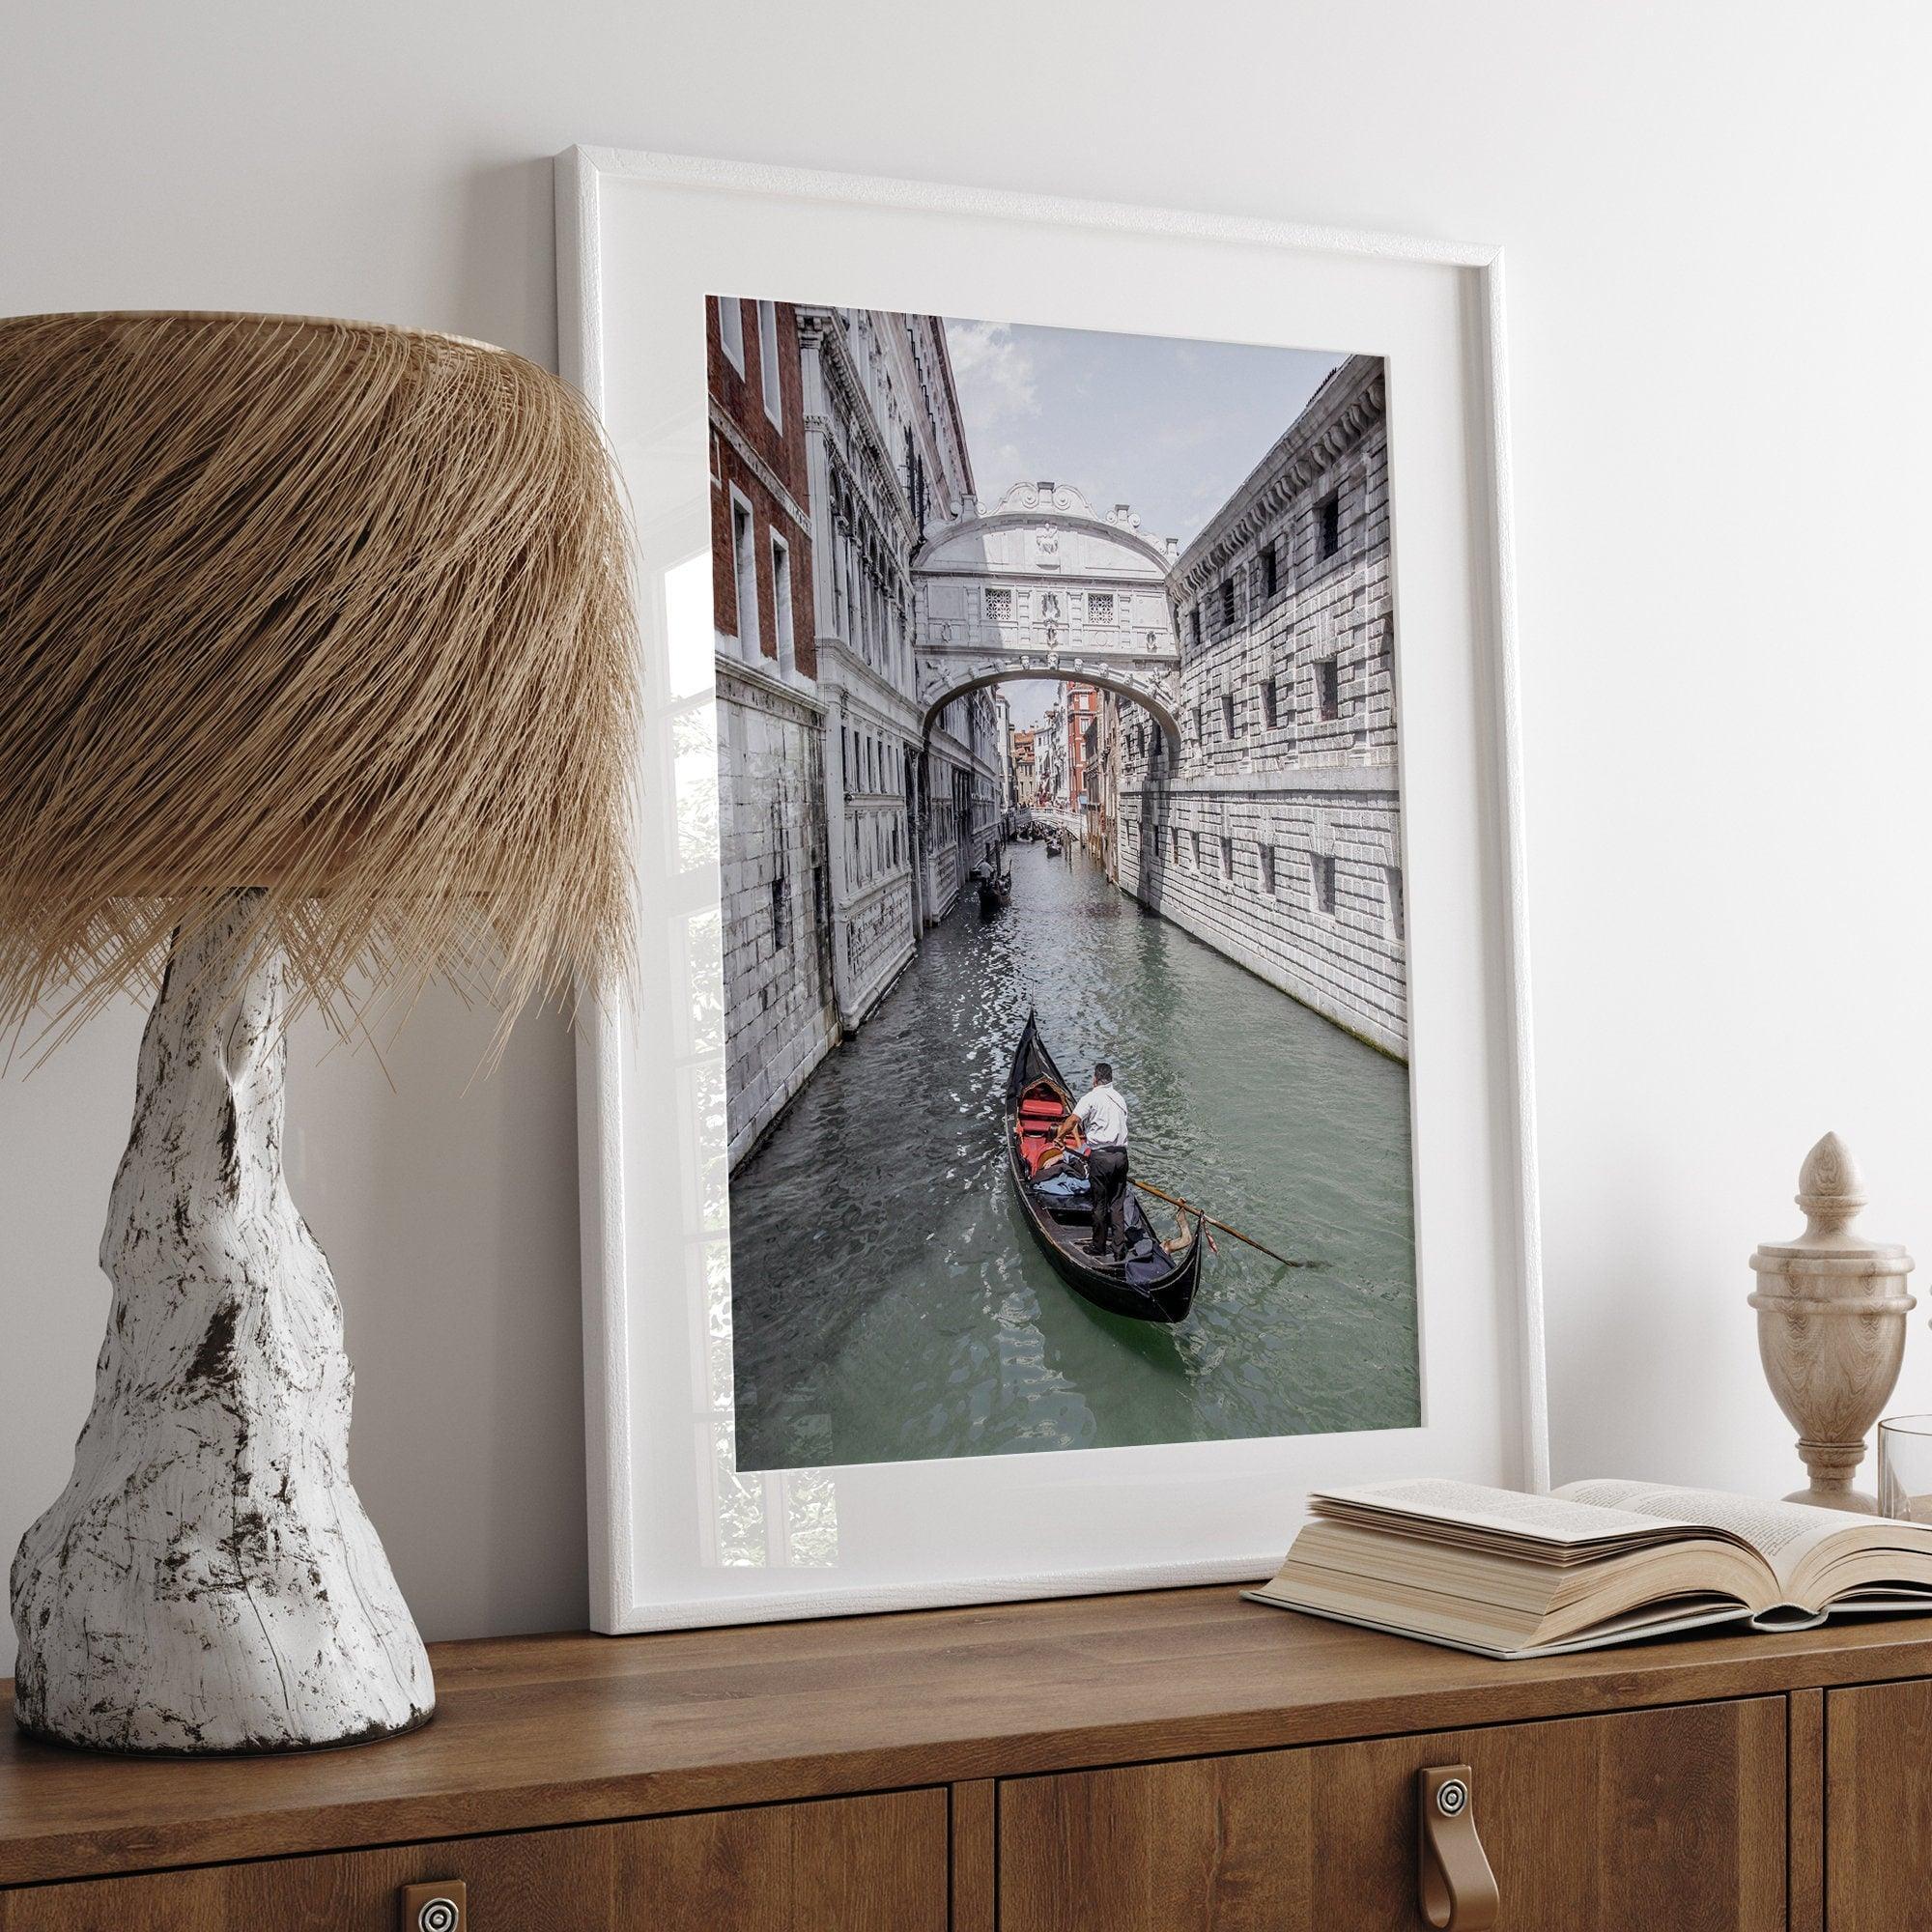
{"x": 1878, "y": 1808}
{"x": 848, "y": 1864}
{"x": 1669, "y": 1821}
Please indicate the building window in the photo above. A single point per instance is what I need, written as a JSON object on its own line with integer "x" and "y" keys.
{"x": 1194, "y": 627}
{"x": 1268, "y": 718}
{"x": 1322, "y": 866}
{"x": 1000, "y": 606}
{"x": 1397, "y": 915}
{"x": 1228, "y": 604}
{"x": 745, "y": 575}
{"x": 731, "y": 331}
{"x": 1328, "y": 524}
{"x": 1199, "y": 726}
{"x": 1177, "y": 844}
{"x": 1100, "y": 607}
{"x": 1227, "y": 856}
{"x": 1327, "y": 688}
{"x": 1270, "y": 572}
{"x": 768, "y": 361}
{"x": 782, "y": 604}
{"x": 1231, "y": 727}
{"x": 781, "y": 914}
{"x": 1194, "y": 849}
{"x": 1267, "y": 854}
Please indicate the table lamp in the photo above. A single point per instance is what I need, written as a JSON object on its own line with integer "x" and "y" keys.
{"x": 318, "y": 682}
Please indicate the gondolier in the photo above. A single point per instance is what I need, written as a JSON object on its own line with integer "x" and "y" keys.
{"x": 1104, "y": 1114}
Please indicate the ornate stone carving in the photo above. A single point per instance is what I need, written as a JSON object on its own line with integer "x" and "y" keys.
{"x": 1831, "y": 1326}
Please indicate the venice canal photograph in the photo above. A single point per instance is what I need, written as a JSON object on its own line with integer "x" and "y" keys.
{"x": 1065, "y": 964}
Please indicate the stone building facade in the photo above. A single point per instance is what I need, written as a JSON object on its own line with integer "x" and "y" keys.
{"x": 886, "y": 453}
{"x": 770, "y": 719}
{"x": 1275, "y": 834}
{"x": 966, "y": 811}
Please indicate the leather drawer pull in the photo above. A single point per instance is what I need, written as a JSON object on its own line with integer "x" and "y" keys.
{"x": 1453, "y": 1883}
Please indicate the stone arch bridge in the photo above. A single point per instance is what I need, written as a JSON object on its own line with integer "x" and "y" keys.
{"x": 1044, "y": 586}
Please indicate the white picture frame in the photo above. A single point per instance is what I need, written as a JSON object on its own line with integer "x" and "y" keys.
{"x": 641, "y": 240}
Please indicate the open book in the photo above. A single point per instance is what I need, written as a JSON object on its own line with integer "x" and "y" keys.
{"x": 1591, "y": 1564}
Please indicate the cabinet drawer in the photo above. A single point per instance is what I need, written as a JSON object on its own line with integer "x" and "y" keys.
{"x": 1656, "y": 1819}
{"x": 845, "y": 1865}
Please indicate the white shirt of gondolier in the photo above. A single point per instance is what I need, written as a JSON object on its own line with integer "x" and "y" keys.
{"x": 1102, "y": 1111}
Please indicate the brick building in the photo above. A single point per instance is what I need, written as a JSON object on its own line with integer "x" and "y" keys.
{"x": 1276, "y": 835}
{"x": 780, "y": 1016}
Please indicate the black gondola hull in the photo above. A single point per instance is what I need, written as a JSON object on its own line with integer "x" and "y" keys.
{"x": 1155, "y": 1286}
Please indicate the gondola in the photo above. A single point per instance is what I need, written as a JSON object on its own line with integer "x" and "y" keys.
{"x": 1152, "y": 1285}
{"x": 996, "y": 892}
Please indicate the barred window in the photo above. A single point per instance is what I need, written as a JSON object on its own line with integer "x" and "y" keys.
{"x": 1327, "y": 688}
{"x": 1328, "y": 523}
{"x": 1270, "y": 572}
{"x": 1100, "y": 607}
{"x": 1269, "y": 719}
{"x": 1322, "y": 866}
{"x": 1268, "y": 868}
{"x": 1228, "y": 602}
{"x": 1000, "y": 606}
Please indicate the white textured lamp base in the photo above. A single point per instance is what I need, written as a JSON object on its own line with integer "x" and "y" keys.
{"x": 207, "y": 1580}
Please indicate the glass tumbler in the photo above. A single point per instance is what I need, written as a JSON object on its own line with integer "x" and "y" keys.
{"x": 1905, "y": 1467}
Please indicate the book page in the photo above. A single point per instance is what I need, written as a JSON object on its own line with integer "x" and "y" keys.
{"x": 1557, "y": 1519}
{"x": 1782, "y": 1533}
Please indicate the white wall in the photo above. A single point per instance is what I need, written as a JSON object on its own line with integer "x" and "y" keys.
{"x": 1722, "y": 404}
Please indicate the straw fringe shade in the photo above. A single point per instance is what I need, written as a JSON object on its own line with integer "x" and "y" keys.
{"x": 327, "y": 609}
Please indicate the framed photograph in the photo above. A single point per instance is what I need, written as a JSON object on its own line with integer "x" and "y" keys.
{"x": 1076, "y": 1095}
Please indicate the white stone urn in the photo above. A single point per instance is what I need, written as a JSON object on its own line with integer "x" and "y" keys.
{"x": 1830, "y": 1326}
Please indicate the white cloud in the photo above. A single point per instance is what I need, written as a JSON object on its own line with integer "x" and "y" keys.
{"x": 994, "y": 372}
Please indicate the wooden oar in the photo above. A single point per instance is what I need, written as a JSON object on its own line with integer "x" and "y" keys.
{"x": 1187, "y": 1207}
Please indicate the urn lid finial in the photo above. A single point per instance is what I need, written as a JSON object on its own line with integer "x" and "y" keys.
{"x": 1832, "y": 1191}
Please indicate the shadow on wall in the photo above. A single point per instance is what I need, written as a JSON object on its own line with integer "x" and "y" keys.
{"x": 502, "y": 279}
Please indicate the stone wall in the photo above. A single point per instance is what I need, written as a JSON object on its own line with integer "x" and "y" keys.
{"x": 781, "y": 1017}
{"x": 1276, "y": 835}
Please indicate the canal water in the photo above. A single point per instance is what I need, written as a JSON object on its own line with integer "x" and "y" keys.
{"x": 888, "y": 1301}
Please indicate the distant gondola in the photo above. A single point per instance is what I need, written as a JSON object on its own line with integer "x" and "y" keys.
{"x": 1150, "y": 1285}
{"x": 996, "y": 890}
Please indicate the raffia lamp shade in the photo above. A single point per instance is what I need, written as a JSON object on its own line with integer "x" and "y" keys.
{"x": 334, "y": 610}
{"x": 318, "y": 681}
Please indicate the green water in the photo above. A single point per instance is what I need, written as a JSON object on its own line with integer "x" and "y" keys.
{"x": 888, "y": 1302}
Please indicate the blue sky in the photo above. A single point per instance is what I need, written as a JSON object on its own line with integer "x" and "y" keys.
{"x": 1165, "y": 425}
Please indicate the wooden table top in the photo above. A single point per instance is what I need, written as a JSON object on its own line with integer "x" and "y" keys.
{"x": 548, "y": 1730}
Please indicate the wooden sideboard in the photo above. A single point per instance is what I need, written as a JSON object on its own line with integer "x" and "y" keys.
{"x": 1167, "y": 1762}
